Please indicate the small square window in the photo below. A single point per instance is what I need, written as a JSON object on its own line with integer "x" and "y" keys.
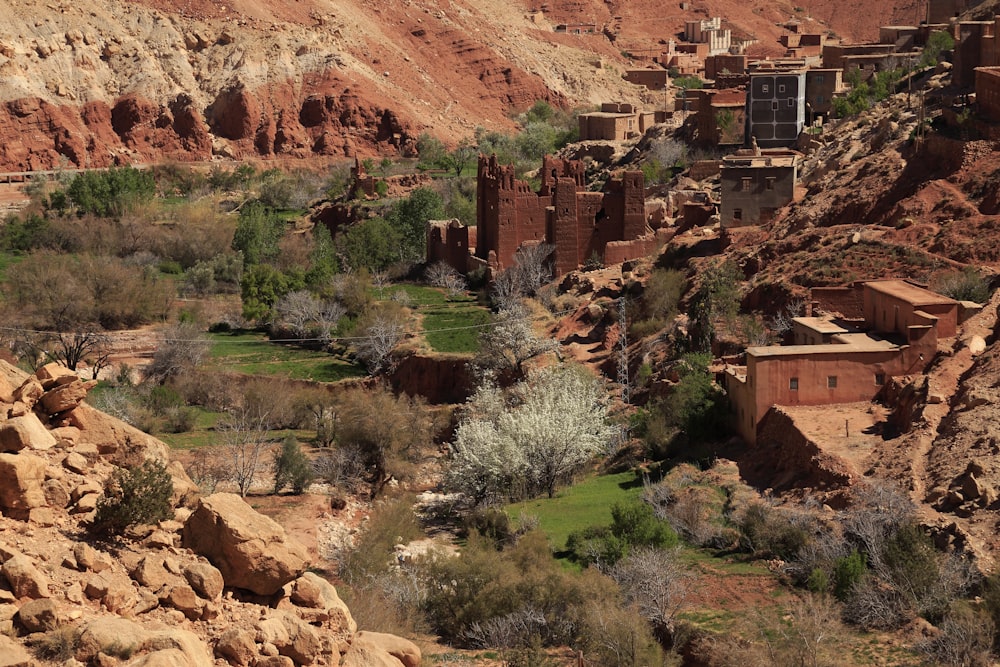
{"x": 774, "y": 105}
{"x": 831, "y": 381}
{"x": 737, "y": 214}
{"x": 765, "y": 88}
{"x": 781, "y": 88}
{"x": 791, "y": 102}
{"x": 819, "y": 78}
{"x": 747, "y": 184}
{"x": 793, "y": 384}
{"x": 769, "y": 183}
{"x": 880, "y": 379}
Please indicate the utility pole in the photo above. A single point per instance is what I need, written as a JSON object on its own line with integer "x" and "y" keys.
{"x": 623, "y": 350}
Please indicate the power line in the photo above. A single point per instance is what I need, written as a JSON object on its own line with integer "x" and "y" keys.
{"x": 485, "y": 325}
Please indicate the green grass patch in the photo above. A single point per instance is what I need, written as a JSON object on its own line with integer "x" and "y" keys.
{"x": 8, "y": 260}
{"x": 209, "y": 437}
{"x": 252, "y": 353}
{"x": 455, "y": 329}
{"x": 577, "y": 507}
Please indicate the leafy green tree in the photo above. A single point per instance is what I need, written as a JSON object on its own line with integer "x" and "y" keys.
{"x": 110, "y": 193}
{"x": 848, "y": 572}
{"x": 19, "y": 235}
{"x": 133, "y": 496}
{"x": 261, "y": 287}
{"x": 257, "y": 233}
{"x": 431, "y": 151}
{"x": 409, "y": 216}
{"x": 461, "y": 157}
{"x": 938, "y": 42}
{"x": 292, "y": 467}
{"x": 371, "y": 244}
{"x": 323, "y": 263}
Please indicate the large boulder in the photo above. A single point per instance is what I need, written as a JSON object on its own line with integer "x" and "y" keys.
{"x": 205, "y": 579}
{"x": 291, "y": 635}
{"x": 26, "y": 580}
{"x": 24, "y": 432}
{"x": 123, "y": 444}
{"x": 368, "y": 656}
{"x": 316, "y": 593}
{"x": 21, "y": 478}
{"x": 401, "y": 649}
{"x": 251, "y": 550}
{"x": 39, "y": 615}
{"x": 109, "y": 632}
{"x": 13, "y": 654}
{"x": 64, "y": 397}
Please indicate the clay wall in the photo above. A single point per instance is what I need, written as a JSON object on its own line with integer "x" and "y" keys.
{"x": 847, "y": 301}
{"x": 988, "y": 92}
{"x": 652, "y": 79}
{"x": 834, "y": 54}
{"x": 576, "y": 222}
{"x": 751, "y": 195}
{"x": 725, "y": 63}
{"x": 891, "y": 313}
{"x": 451, "y": 242}
{"x": 855, "y": 375}
{"x": 821, "y": 87}
{"x": 968, "y": 53}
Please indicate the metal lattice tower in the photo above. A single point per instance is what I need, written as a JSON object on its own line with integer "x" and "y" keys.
{"x": 623, "y": 350}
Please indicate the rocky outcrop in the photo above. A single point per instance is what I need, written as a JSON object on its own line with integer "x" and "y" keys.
{"x": 147, "y": 601}
{"x": 251, "y": 551}
{"x": 405, "y": 651}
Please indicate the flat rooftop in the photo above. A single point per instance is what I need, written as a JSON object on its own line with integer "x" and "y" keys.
{"x": 821, "y": 325}
{"x": 850, "y": 343}
{"x": 917, "y": 296}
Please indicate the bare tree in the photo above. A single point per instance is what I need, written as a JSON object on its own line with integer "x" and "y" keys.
{"x": 508, "y": 633}
{"x": 181, "y": 348}
{"x": 656, "y": 583}
{"x": 308, "y": 316}
{"x": 73, "y": 349}
{"x": 532, "y": 268}
{"x": 378, "y": 341}
{"x": 441, "y": 274}
{"x": 245, "y": 435}
{"x": 510, "y": 341}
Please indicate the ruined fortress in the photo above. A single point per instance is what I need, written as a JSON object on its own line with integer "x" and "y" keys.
{"x": 610, "y": 226}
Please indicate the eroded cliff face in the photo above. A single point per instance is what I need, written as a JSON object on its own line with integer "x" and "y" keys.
{"x": 99, "y": 82}
{"x": 105, "y": 82}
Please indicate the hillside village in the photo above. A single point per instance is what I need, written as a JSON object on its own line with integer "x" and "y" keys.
{"x": 689, "y": 359}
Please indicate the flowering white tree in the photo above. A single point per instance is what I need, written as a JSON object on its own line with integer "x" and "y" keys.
{"x": 531, "y": 438}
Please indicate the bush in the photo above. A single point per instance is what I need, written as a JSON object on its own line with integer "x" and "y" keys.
{"x": 133, "y": 496}
{"x": 769, "y": 533}
{"x": 292, "y": 467}
{"x": 847, "y": 573}
{"x": 633, "y": 525}
{"x": 111, "y": 192}
{"x": 966, "y": 285}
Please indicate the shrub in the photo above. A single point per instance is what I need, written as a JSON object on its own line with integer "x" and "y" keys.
{"x": 633, "y": 525}
{"x": 767, "y": 532}
{"x": 57, "y": 645}
{"x": 968, "y": 284}
{"x": 133, "y": 496}
{"x": 111, "y": 192}
{"x": 848, "y": 572}
{"x": 291, "y": 467}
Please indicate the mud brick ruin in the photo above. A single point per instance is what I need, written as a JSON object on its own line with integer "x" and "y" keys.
{"x": 610, "y": 225}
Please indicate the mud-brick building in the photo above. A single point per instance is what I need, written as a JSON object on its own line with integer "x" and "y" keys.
{"x": 616, "y": 121}
{"x": 988, "y": 93}
{"x": 579, "y": 224}
{"x": 890, "y": 328}
{"x": 755, "y": 184}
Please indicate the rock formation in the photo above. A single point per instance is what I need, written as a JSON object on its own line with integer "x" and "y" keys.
{"x": 236, "y": 592}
